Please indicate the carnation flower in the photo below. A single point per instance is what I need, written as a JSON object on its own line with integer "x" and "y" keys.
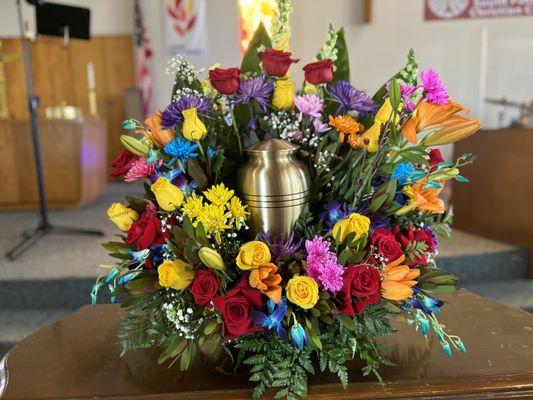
{"x": 139, "y": 169}
{"x": 434, "y": 89}
{"x": 322, "y": 264}
{"x": 351, "y": 99}
{"x": 173, "y": 114}
{"x": 309, "y": 104}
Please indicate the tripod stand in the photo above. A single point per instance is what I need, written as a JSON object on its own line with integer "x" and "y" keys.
{"x": 44, "y": 227}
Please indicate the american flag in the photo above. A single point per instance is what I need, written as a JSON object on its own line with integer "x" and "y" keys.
{"x": 144, "y": 53}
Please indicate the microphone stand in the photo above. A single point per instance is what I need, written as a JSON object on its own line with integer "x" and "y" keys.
{"x": 44, "y": 227}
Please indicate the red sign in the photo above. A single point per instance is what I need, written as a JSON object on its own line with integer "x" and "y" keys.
{"x": 456, "y": 9}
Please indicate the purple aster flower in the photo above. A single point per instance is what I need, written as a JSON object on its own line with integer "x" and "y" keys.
{"x": 280, "y": 246}
{"x": 309, "y": 104}
{"x": 172, "y": 116}
{"x": 258, "y": 89}
{"x": 351, "y": 99}
{"x": 322, "y": 264}
{"x": 434, "y": 89}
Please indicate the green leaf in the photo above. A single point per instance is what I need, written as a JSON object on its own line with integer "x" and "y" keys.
{"x": 342, "y": 65}
{"x": 210, "y": 327}
{"x": 311, "y": 334}
{"x": 196, "y": 171}
{"x": 188, "y": 227}
{"x": 251, "y": 61}
{"x": 394, "y": 94}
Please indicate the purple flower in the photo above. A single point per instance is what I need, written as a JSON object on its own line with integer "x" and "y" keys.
{"x": 258, "y": 89}
{"x": 320, "y": 127}
{"x": 351, "y": 99}
{"x": 172, "y": 116}
{"x": 406, "y": 92}
{"x": 434, "y": 89}
{"x": 309, "y": 104}
{"x": 322, "y": 264}
{"x": 334, "y": 213}
{"x": 280, "y": 247}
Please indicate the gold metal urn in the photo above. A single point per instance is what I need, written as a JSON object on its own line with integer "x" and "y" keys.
{"x": 275, "y": 185}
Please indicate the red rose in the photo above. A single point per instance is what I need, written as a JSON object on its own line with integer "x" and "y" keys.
{"x": 237, "y": 307}
{"x": 319, "y": 72}
{"x": 225, "y": 81}
{"x": 205, "y": 287}
{"x": 406, "y": 240}
{"x": 362, "y": 283}
{"x": 435, "y": 158}
{"x": 123, "y": 163}
{"x": 146, "y": 232}
{"x": 386, "y": 245}
{"x": 276, "y": 62}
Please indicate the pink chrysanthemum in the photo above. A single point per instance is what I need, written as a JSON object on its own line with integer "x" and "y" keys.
{"x": 322, "y": 264}
{"x": 309, "y": 104}
{"x": 139, "y": 170}
{"x": 434, "y": 89}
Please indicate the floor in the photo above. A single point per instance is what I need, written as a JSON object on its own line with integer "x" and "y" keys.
{"x": 56, "y": 275}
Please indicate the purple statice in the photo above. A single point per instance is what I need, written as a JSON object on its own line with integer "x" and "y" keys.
{"x": 322, "y": 264}
{"x": 280, "y": 246}
{"x": 258, "y": 89}
{"x": 173, "y": 114}
{"x": 351, "y": 99}
{"x": 434, "y": 89}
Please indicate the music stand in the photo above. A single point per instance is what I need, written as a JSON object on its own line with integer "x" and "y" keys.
{"x": 57, "y": 20}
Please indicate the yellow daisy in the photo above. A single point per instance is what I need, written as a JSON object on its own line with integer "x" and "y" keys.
{"x": 237, "y": 211}
{"x": 215, "y": 220}
{"x": 192, "y": 206}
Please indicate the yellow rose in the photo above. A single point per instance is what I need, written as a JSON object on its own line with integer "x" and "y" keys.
{"x": 283, "y": 94}
{"x": 356, "y": 223}
{"x": 175, "y": 274}
{"x": 122, "y": 216}
{"x": 302, "y": 291}
{"x": 252, "y": 255}
{"x": 193, "y": 127}
{"x": 168, "y": 196}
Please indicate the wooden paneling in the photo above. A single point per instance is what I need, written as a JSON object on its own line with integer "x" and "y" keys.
{"x": 60, "y": 77}
{"x": 497, "y": 202}
{"x": 73, "y": 158}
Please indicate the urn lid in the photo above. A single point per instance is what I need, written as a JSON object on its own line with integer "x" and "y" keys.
{"x": 272, "y": 146}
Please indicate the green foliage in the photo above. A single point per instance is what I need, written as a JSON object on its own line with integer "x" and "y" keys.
{"x": 342, "y": 65}
{"x": 306, "y": 225}
{"x": 251, "y": 61}
{"x": 276, "y": 364}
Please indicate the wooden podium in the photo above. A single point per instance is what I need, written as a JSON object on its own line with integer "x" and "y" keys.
{"x": 78, "y": 357}
{"x": 74, "y": 158}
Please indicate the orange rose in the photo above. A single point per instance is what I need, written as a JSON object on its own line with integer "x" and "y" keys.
{"x": 266, "y": 279}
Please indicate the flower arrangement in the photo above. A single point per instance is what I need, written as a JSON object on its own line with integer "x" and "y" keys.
{"x": 362, "y": 252}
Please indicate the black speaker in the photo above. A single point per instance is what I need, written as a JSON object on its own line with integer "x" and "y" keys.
{"x": 52, "y": 19}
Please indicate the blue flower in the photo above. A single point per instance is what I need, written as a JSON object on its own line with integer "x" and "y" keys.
{"x": 427, "y": 304}
{"x": 271, "y": 321}
{"x": 181, "y": 149}
{"x": 402, "y": 172}
{"x": 298, "y": 336}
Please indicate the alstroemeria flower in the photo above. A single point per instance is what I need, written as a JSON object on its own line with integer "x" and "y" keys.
{"x": 398, "y": 280}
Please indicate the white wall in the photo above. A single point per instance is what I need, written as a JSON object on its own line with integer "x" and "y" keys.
{"x": 108, "y": 17}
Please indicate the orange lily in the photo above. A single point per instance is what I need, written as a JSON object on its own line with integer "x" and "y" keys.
{"x": 266, "y": 279}
{"x": 423, "y": 199}
{"x": 398, "y": 280}
{"x": 159, "y": 136}
{"x": 444, "y": 120}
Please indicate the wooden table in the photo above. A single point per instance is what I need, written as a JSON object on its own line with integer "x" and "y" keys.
{"x": 79, "y": 358}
